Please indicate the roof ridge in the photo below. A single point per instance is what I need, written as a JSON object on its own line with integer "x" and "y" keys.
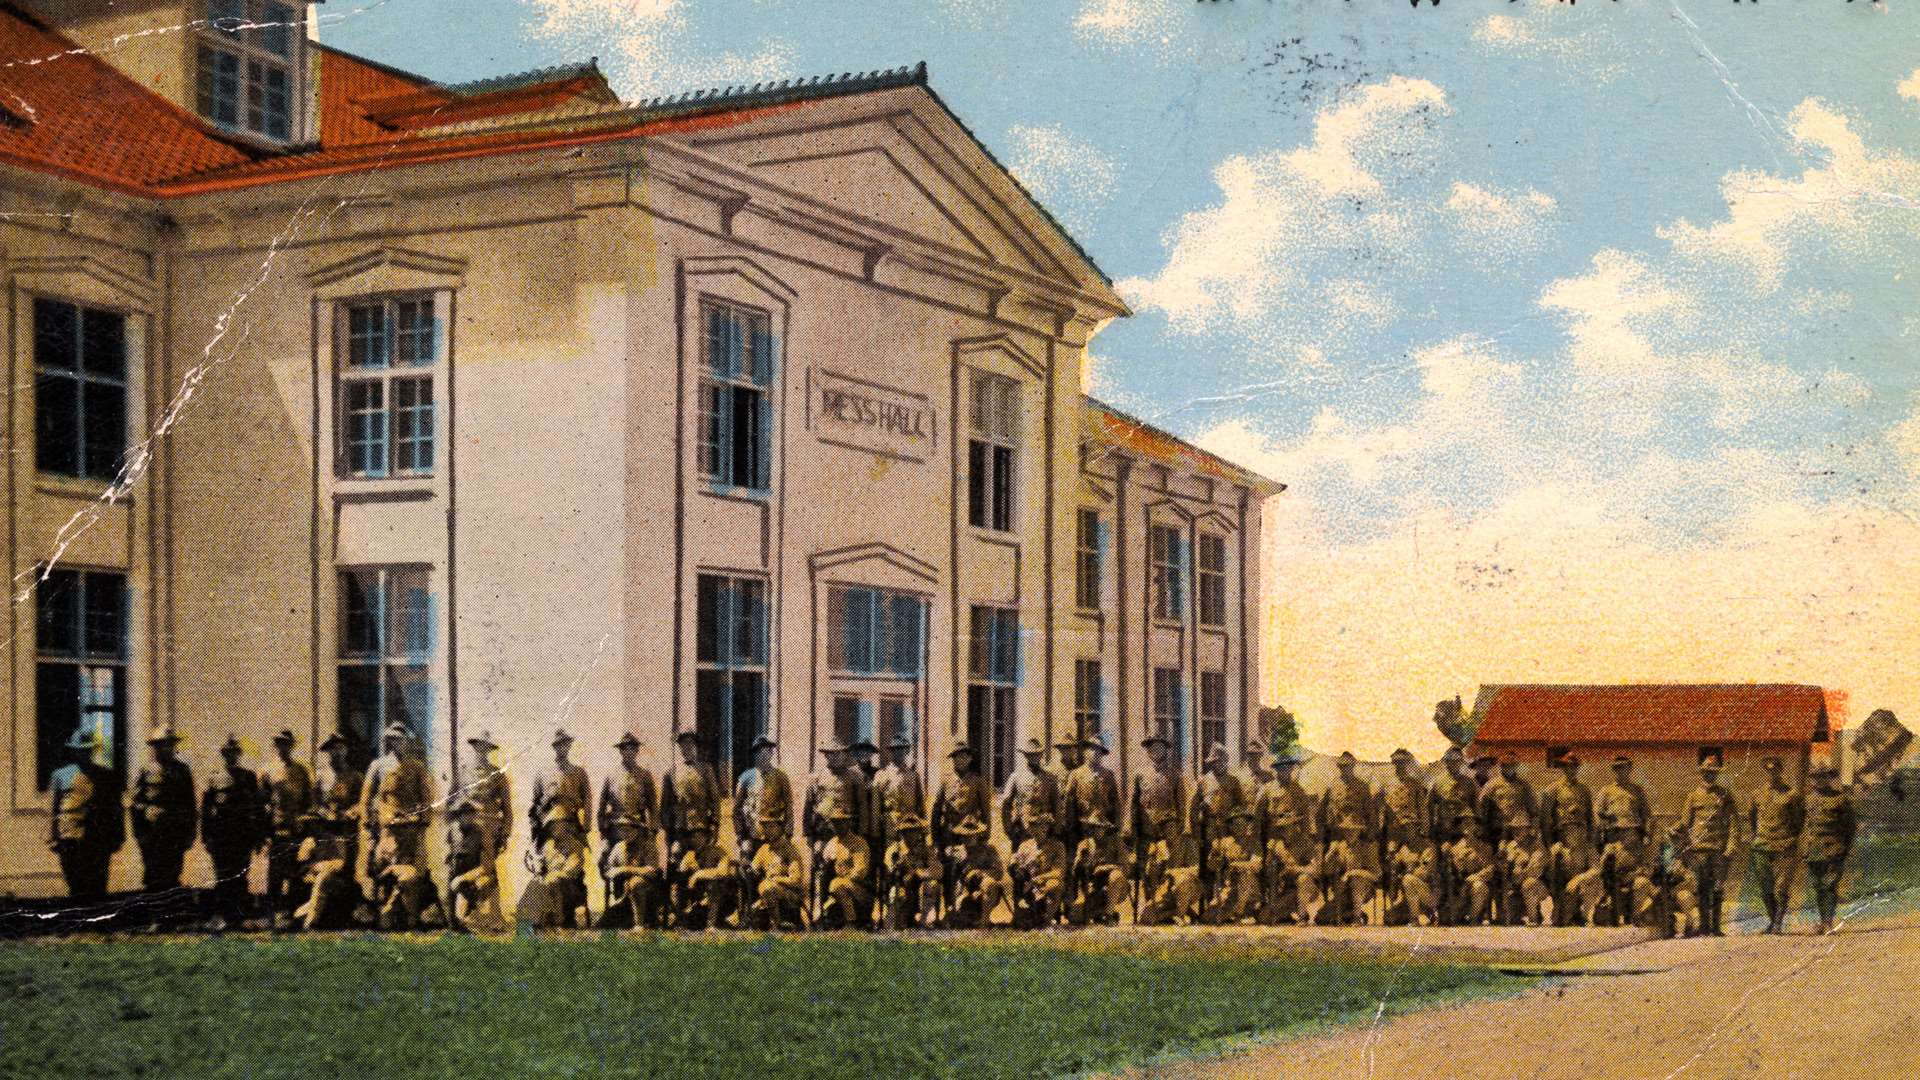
{"x": 1127, "y": 417}
{"x": 530, "y": 77}
{"x": 396, "y": 72}
{"x": 794, "y": 89}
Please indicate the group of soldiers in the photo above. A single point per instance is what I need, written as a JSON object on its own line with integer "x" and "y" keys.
{"x": 1476, "y": 845}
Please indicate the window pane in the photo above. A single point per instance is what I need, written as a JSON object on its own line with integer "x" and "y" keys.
{"x": 903, "y": 636}
{"x": 707, "y": 620}
{"x": 277, "y": 36}
{"x": 56, "y": 424}
{"x": 858, "y": 619}
{"x": 219, "y": 86}
{"x": 979, "y": 708}
{"x": 1006, "y": 647}
{"x": 750, "y": 622}
{"x": 410, "y": 697}
{"x": 977, "y": 483}
{"x": 57, "y": 711}
{"x": 274, "y": 106}
{"x": 58, "y": 625}
{"x": 366, "y": 427}
{"x": 105, "y": 436}
{"x": 367, "y": 335}
{"x": 413, "y": 424}
{"x": 846, "y": 719}
{"x": 720, "y": 352}
{"x": 893, "y": 721}
{"x": 106, "y": 616}
{"x": 362, "y": 618}
{"x": 360, "y": 702}
{"x": 412, "y": 607}
{"x": 414, "y": 332}
{"x": 747, "y": 439}
{"x": 710, "y": 702}
{"x": 1002, "y": 735}
{"x": 977, "y": 640}
{"x": 747, "y": 718}
{"x": 227, "y": 16}
{"x": 103, "y": 350}
{"x": 55, "y": 331}
{"x": 712, "y": 412}
{"x": 1002, "y": 488}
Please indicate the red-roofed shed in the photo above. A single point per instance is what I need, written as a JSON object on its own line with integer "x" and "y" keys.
{"x": 1665, "y": 728}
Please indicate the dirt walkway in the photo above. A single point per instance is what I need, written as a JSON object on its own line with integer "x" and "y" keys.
{"x": 1840, "y": 1006}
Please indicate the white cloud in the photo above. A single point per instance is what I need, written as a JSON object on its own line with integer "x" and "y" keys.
{"x": 1244, "y": 257}
{"x": 1618, "y": 309}
{"x": 1492, "y": 224}
{"x": 1851, "y": 200}
{"x": 1062, "y": 169}
{"x": 651, "y": 38}
{"x": 1910, "y": 87}
{"x": 1124, "y": 22}
{"x": 1581, "y": 42}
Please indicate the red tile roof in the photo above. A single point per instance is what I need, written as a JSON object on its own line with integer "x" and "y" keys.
{"x": 1131, "y": 433}
{"x": 349, "y": 85}
{"x": 1651, "y": 714}
{"x": 74, "y": 115}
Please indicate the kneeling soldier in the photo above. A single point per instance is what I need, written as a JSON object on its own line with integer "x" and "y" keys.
{"x": 1039, "y": 872}
{"x": 471, "y": 878}
{"x": 1100, "y": 872}
{"x": 913, "y": 875}
{"x": 561, "y": 866}
{"x": 1236, "y": 870}
{"x": 1284, "y": 812}
{"x": 632, "y": 874}
{"x": 1411, "y": 863}
{"x": 1526, "y": 865}
{"x": 780, "y": 884}
{"x": 848, "y": 864}
{"x": 1472, "y": 859}
{"x": 1348, "y": 811}
{"x": 704, "y": 895}
{"x": 333, "y": 893}
{"x": 981, "y": 876}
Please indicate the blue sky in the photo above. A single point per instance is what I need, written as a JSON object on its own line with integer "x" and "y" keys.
{"x": 1574, "y": 327}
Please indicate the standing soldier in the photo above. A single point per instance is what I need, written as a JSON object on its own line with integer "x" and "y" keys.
{"x": 626, "y": 816}
{"x": 1216, "y": 798}
{"x": 164, "y": 818}
{"x": 1831, "y": 824}
{"x": 1030, "y": 803}
{"x": 898, "y": 792}
{"x": 1452, "y": 793}
{"x": 1707, "y": 824}
{"x": 561, "y": 785}
{"x": 1408, "y": 842}
{"x": 1508, "y": 806}
{"x": 289, "y": 806}
{"x": 692, "y": 835}
{"x": 1039, "y": 873}
{"x": 233, "y": 825}
{"x": 762, "y": 810}
{"x": 830, "y": 791}
{"x": 1566, "y": 821}
{"x": 1349, "y": 813}
{"x": 1284, "y": 814}
{"x": 1626, "y": 823}
{"x": 395, "y": 807}
{"x": 1167, "y": 885}
{"x": 1255, "y": 768}
{"x": 1776, "y": 817}
{"x": 492, "y": 799}
{"x": 470, "y": 873}
{"x": 963, "y": 793}
{"x": 87, "y": 823}
{"x": 327, "y": 854}
{"x": 1092, "y": 793}
{"x": 1473, "y": 860}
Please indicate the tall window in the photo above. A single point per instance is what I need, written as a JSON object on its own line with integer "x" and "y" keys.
{"x": 1213, "y": 708}
{"x": 852, "y": 719}
{"x": 1212, "y": 585}
{"x": 246, "y": 66}
{"x": 1166, "y": 570}
{"x": 386, "y": 648}
{"x": 990, "y": 452}
{"x": 993, "y": 672}
{"x": 855, "y": 718}
{"x": 730, "y": 691}
{"x": 82, "y": 675}
{"x": 874, "y": 632}
{"x": 80, "y": 389}
{"x": 1089, "y": 544}
{"x": 1089, "y": 693}
{"x": 736, "y": 413}
{"x": 386, "y": 387}
{"x": 1170, "y": 709}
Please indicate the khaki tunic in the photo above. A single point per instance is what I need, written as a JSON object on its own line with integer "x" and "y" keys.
{"x": 1031, "y": 804}
{"x": 1706, "y": 819}
{"x": 1405, "y": 815}
{"x": 1831, "y": 824}
{"x": 1451, "y": 795}
{"x": 696, "y": 792}
{"x": 1565, "y": 805}
{"x": 1777, "y": 818}
{"x": 1509, "y": 807}
{"x": 898, "y": 794}
{"x": 763, "y": 805}
{"x": 289, "y": 797}
{"x": 567, "y": 788}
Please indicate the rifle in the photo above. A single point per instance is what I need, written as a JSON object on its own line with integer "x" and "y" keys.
{"x": 1201, "y": 828}
{"x": 1332, "y": 886}
{"x": 1442, "y": 866}
{"x": 1072, "y": 883}
{"x": 1138, "y": 813}
{"x": 1266, "y": 865}
{"x": 670, "y": 880}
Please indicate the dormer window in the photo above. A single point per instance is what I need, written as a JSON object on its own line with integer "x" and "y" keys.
{"x": 246, "y": 66}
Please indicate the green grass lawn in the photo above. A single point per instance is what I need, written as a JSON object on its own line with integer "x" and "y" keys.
{"x": 1883, "y": 876}
{"x": 459, "y": 1007}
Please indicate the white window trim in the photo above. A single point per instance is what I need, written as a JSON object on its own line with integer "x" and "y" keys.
{"x": 345, "y": 479}
{"x": 245, "y": 46}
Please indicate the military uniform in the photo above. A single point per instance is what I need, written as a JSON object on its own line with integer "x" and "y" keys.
{"x": 1350, "y": 814}
{"x": 561, "y": 865}
{"x": 1170, "y": 877}
{"x": 1831, "y": 824}
{"x": 1411, "y": 859}
{"x": 1512, "y": 814}
{"x": 289, "y": 789}
{"x": 1625, "y": 821}
{"x": 471, "y": 873}
{"x": 233, "y": 825}
{"x": 848, "y": 864}
{"x": 1452, "y": 794}
{"x": 165, "y": 821}
{"x": 492, "y": 797}
{"x": 1776, "y": 817}
{"x": 1567, "y": 821}
{"x": 1284, "y": 814}
{"x": 87, "y": 824}
{"x": 1030, "y": 805}
{"x": 1235, "y": 869}
{"x": 561, "y": 786}
{"x": 980, "y": 884}
{"x": 1099, "y": 873}
{"x": 1707, "y": 826}
{"x": 327, "y": 854}
{"x": 1039, "y": 873}
{"x": 1472, "y": 858}
{"x": 913, "y": 876}
{"x": 396, "y": 804}
{"x": 762, "y": 806}
{"x": 704, "y": 894}
{"x": 779, "y": 877}
{"x": 898, "y": 795}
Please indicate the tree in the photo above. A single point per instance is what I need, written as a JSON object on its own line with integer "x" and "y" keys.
{"x": 1278, "y": 728}
{"x": 1454, "y": 721}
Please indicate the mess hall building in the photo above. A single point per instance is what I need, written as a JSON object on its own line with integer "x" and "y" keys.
{"x": 338, "y": 397}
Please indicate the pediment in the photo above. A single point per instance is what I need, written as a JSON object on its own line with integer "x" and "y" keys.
{"x": 876, "y": 563}
{"x": 387, "y": 269}
{"x": 893, "y": 169}
{"x": 84, "y": 279}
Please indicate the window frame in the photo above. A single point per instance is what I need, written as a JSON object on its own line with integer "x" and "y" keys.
{"x": 1213, "y": 712}
{"x": 1089, "y": 567}
{"x": 243, "y": 54}
{"x": 728, "y": 670}
{"x": 1210, "y": 581}
{"x": 86, "y": 663}
{"x": 1089, "y": 697}
{"x": 85, "y": 382}
{"x": 1166, "y": 572}
{"x": 750, "y": 370}
{"x": 993, "y": 680}
{"x": 390, "y": 377}
{"x": 885, "y": 645}
{"x": 995, "y": 404}
{"x": 396, "y": 667}
{"x": 1169, "y": 708}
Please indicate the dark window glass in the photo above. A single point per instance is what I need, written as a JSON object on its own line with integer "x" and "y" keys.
{"x": 80, "y": 393}
{"x": 735, "y": 416}
{"x": 80, "y": 681}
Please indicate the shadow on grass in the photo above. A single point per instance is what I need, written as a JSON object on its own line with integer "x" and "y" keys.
{"x": 365, "y": 1006}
